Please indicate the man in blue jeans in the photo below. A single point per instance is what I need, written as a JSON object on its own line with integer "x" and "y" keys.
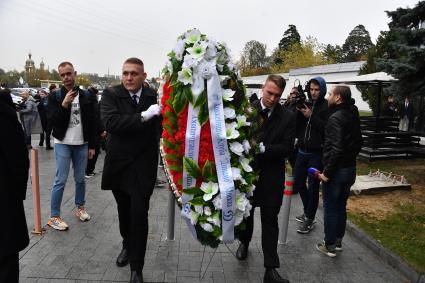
{"x": 310, "y": 126}
{"x": 73, "y": 121}
{"x": 343, "y": 141}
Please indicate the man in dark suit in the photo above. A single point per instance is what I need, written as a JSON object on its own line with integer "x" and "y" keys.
{"x": 275, "y": 138}
{"x": 46, "y": 125}
{"x": 131, "y": 116}
{"x": 14, "y": 165}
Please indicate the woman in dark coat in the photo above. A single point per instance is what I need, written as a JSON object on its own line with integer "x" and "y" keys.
{"x": 14, "y": 165}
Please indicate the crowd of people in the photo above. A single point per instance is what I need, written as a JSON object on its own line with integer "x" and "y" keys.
{"x": 316, "y": 132}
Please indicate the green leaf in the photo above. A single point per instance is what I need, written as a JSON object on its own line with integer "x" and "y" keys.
{"x": 172, "y": 157}
{"x": 169, "y": 130}
{"x": 193, "y": 191}
{"x": 197, "y": 201}
{"x": 207, "y": 171}
{"x": 216, "y": 232}
{"x": 179, "y": 102}
{"x": 171, "y": 117}
{"x": 175, "y": 167}
{"x": 203, "y": 114}
{"x": 169, "y": 144}
{"x": 201, "y": 100}
{"x": 191, "y": 167}
{"x": 188, "y": 93}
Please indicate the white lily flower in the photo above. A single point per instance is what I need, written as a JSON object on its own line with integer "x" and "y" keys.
{"x": 207, "y": 211}
{"x": 193, "y": 216}
{"x": 231, "y": 66}
{"x": 169, "y": 67}
{"x": 189, "y": 62}
{"x": 179, "y": 49}
{"x": 241, "y": 201}
{"x": 210, "y": 189}
{"x": 238, "y": 217}
{"x": 207, "y": 227}
{"x": 229, "y": 113}
{"x": 228, "y": 94}
{"x": 192, "y": 36}
{"x": 199, "y": 209}
{"x": 246, "y": 146}
{"x": 231, "y": 132}
{"x": 247, "y": 212}
{"x": 242, "y": 121}
{"x": 217, "y": 202}
{"x": 198, "y": 50}
{"x": 236, "y": 148}
{"x": 250, "y": 190}
{"x": 215, "y": 219}
{"x": 185, "y": 76}
{"x": 220, "y": 67}
{"x": 236, "y": 174}
{"x": 245, "y": 164}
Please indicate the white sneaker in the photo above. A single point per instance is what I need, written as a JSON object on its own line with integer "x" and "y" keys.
{"x": 57, "y": 223}
{"x": 82, "y": 214}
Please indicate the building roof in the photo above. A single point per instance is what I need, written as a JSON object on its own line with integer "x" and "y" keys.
{"x": 331, "y": 68}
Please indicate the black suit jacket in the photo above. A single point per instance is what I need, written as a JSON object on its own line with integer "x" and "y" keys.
{"x": 14, "y": 165}
{"x": 278, "y": 134}
{"x": 132, "y": 148}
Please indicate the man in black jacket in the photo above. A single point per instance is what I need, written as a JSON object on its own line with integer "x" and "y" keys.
{"x": 310, "y": 121}
{"x": 131, "y": 116}
{"x": 43, "y": 111}
{"x": 73, "y": 118}
{"x": 343, "y": 141}
{"x": 275, "y": 137}
{"x": 14, "y": 165}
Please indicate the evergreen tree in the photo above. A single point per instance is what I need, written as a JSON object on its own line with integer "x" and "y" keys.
{"x": 332, "y": 54}
{"x": 356, "y": 44}
{"x": 290, "y": 37}
{"x": 406, "y": 56}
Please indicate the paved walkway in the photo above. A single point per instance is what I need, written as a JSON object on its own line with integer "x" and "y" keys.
{"x": 87, "y": 251}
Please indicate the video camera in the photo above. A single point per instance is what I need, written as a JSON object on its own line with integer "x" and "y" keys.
{"x": 300, "y": 100}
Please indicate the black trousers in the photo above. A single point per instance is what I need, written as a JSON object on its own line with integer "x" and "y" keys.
{"x": 47, "y": 131}
{"x": 133, "y": 222}
{"x": 9, "y": 268}
{"x": 91, "y": 163}
{"x": 269, "y": 234}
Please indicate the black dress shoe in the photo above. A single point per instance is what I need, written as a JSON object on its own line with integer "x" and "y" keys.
{"x": 242, "y": 251}
{"x": 136, "y": 276}
{"x": 122, "y": 258}
{"x": 272, "y": 276}
{"x": 49, "y": 147}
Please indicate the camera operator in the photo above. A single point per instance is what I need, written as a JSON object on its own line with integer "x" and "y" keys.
{"x": 290, "y": 102}
{"x": 310, "y": 126}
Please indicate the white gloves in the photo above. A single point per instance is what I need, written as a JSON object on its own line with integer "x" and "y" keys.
{"x": 153, "y": 110}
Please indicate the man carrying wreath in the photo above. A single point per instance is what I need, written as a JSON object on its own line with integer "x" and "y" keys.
{"x": 131, "y": 116}
{"x": 275, "y": 140}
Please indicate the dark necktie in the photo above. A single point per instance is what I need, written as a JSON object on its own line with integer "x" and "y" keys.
{"x": 265, "y": 113}
{"x": 135, "y": 102}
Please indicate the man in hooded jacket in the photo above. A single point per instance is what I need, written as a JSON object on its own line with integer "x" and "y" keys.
{"x": 310, "y": 128}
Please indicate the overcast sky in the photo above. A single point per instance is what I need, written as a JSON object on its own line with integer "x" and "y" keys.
{"x": 98, "y": 35}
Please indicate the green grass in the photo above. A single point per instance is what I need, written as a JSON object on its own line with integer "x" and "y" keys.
{"x": 402, "y": 231}
{"x": 365, "y": 113}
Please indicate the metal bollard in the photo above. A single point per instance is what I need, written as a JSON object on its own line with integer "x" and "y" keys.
{"x": 35, "y": 186}
{"x": 283, "y": 229}
{"x": 171, "y": 216}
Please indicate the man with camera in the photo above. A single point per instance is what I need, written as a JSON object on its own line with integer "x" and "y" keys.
{"x": 310, "y": 127}
{"x": 74, "y": 130}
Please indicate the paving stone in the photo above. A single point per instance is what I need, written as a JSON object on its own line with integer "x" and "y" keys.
{"x": 87, "y": 252}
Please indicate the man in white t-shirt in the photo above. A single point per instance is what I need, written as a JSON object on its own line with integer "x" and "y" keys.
{"x": 73, "y": 121}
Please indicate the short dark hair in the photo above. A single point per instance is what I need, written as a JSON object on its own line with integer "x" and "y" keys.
{"x": 134, "y": 60}
{"x": 279, "y": 81}
{"x": 64, "y": 63}
{"x": 52, "y": 87}
{"x": 344, "y": 92}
